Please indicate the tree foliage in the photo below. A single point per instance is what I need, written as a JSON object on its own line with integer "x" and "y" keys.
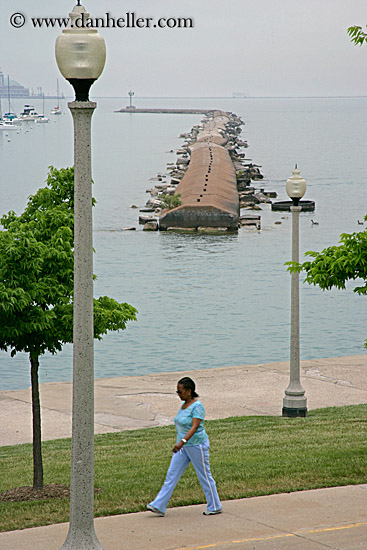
{"x": 36, "y": 274}
{"x": 336, "y": 265}
{"x": 357, "y": 35}
{"x": 37, "y": 280}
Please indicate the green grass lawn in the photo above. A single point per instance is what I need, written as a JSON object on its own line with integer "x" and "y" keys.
{"x": 250, "y": 456}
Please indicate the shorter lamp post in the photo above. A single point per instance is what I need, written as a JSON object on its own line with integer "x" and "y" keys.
{"x": 131, "y": 94}
{"x": 295, "y": 402}
{"x": 80, "y": 55}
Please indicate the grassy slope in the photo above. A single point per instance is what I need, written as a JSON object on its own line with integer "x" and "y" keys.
{"x": 249, "y": 456}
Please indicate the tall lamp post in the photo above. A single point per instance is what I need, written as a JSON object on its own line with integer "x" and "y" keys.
{"x": 80, "y": 55}
{"x": 295, "y": 402}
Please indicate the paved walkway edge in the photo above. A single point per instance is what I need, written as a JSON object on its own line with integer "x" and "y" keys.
{"x": 309, "y": 520}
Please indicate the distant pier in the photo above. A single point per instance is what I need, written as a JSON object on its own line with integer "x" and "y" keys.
{"x": 208, "y": 191}
{"x": 209, "y": 182}
{"x": 165, "y": 111}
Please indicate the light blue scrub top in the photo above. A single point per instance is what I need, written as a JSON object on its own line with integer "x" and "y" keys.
{"x": 183, "y": 422}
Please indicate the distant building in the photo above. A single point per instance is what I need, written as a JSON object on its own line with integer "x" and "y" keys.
{"x": 15, "y": 89}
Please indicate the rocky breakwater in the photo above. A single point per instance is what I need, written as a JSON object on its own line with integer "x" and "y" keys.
{"x": 208, "y": 190}
{"x": 209, "y": 183}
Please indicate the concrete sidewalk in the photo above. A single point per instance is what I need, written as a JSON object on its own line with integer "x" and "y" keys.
{"x": 125, "y": 403}
{"x": 333, "y": 518}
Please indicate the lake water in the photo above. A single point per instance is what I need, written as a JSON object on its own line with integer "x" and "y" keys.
{"x": 204, "y": 301}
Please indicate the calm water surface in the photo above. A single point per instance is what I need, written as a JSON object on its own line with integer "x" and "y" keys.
{"x": 204, "y": 301}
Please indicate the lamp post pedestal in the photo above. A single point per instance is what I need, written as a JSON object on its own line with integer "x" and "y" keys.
{"x": 295, "y": 402}
{"x": 81, "y": 533}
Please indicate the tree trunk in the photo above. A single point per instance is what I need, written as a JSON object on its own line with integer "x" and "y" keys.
{"x": 36, "y": 413}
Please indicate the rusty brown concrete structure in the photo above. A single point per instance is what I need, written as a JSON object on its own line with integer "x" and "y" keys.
{"x": 209, "y": 196}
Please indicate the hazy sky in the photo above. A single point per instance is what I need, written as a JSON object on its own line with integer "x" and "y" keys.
{"x": 261, "y": 47}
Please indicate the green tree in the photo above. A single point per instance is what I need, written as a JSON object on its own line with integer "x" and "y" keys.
{"x": 36, "y": 286}
{"x": 357, "y": 35}
{"x": 336, "y": 265}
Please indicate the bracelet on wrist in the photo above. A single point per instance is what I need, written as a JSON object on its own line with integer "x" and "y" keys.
{"x": 184, "y": 440}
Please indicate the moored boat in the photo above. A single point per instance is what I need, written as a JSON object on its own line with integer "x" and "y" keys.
{"x": 42, "y": 118}
{"x": 29, "y": 114}
{"x": 6, "y": 125}
{"x": 12, "y": 117}
{"x": 56, "y": 110}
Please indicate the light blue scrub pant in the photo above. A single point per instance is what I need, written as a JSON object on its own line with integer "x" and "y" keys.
{"x": 199, "y": 456}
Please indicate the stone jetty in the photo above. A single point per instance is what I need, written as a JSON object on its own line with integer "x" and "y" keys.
{"x": 210, "y": 182}
{"x": 164, "y": 111}
{"x": 208, "y": 190}
{"x": 213, "y": 174}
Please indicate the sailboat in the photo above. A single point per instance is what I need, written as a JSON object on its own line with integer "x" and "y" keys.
{"x": 56, "y": 110}
{"x": 42, "y": 118}
{"x": 11, "y": 116}
{"x": 6, "y": 124}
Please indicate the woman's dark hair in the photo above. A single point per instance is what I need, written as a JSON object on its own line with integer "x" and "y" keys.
{"x": 188, "y": 384}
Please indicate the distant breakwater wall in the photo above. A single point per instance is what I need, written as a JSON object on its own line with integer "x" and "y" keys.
{"x": 164, "y": 111}
{"x": 208, "y": 190}
{"x": 209, "y": 183}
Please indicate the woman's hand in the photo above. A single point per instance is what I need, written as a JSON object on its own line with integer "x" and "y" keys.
{"x": 178, "y": 447}
{"x": 190, "y": 433}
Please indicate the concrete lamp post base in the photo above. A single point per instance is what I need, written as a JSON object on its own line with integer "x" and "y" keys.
{"x": 79, "y": 540}
{"x": 294, "y": 401}
{"x": 294, "y": 412}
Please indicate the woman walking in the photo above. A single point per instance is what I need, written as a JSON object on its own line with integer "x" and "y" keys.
{"x": 192, "y": 445}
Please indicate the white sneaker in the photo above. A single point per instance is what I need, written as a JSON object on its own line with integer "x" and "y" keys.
{"x": 213, "y": 512}
{"x": 155, "y": 510}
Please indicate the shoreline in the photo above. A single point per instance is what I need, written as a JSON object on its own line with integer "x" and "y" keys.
{"x": 133, "y": 402}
